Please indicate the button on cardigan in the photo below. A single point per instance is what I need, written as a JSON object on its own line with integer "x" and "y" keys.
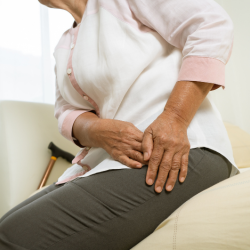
{"x": 123, "y": 60}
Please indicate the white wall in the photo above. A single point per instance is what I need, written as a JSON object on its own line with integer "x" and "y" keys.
{"x": 29, "y": 34}
{"x": 234, "y": 101}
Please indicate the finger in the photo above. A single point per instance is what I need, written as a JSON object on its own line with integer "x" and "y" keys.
{"x": 138, "y": 135}
{"x": 136, "y": 146}
{"x": 129, "y": 162}
{"x": 173, "y": 174}
{"x": 154, "y": 163}
{"x": 147, "y": 145}
{"x": 164, "y": 169}
{"x": 184, "y": 167}
{"x": 137, "y": 156}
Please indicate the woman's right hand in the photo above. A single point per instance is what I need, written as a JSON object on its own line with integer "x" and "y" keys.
{"x": 120, "y": 139}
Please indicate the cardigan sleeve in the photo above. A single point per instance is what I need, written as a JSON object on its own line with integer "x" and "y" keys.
{"x": 201, "y": 29}
{"x": 66, "y": 115}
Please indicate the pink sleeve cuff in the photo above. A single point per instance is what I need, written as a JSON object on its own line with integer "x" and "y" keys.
{"x": 68, "y": 123}
{"x": 203, "y": 69}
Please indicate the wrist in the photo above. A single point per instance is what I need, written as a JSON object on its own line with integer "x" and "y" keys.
{"x": 175, "y": 115}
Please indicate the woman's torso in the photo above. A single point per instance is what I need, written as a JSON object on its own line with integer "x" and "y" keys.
{"x": 128, "y": 71}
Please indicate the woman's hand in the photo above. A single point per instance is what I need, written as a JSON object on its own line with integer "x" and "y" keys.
{"x": 165, "y": 144}
{"x": 122, "y": 140}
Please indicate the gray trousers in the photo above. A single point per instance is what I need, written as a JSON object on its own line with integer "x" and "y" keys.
{"x": 112, "y": 210}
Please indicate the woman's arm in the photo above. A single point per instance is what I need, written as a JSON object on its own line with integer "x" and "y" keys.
{"x": 203, "y": 31}
{"x": 165, "y": 142}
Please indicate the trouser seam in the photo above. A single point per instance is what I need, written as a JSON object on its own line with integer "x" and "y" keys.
{"x": 199, "y": 161}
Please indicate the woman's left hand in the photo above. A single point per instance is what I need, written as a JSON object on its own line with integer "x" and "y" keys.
{"x": 165, "y": 144}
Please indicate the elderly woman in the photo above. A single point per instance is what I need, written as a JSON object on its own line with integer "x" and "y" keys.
{"x": 132, "y": 78}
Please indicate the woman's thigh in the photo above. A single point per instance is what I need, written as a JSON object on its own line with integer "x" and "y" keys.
{"x": 31, "y": 199}
{"x": 110, "y": 210}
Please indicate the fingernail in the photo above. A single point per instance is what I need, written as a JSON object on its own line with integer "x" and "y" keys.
{"x": 138, "y": 165}
{"x": 158, "y": 189}
{"x": 145, "y": 156}
{"x": 182, "y": 179}
{"x": 150, "y": 182}
{"x": 169, "y": 188}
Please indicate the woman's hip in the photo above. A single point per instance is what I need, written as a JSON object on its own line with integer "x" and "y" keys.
{"x": 128, "y": 188}
{"x": 136, "y": 208}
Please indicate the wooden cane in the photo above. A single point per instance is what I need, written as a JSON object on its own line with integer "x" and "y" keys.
{"x": 56, "y": 152}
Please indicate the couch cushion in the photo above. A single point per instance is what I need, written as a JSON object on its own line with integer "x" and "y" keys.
{"x": 240, "y": 141}
{"x": 217, "y": 218}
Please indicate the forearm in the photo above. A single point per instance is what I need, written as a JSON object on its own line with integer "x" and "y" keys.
{"x": 185, "y": 99}
{"x": 83, "y": 127}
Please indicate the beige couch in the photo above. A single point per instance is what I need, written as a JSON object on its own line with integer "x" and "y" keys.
{"x": 217, "y": 218}
{"x": 26, "y": 129}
